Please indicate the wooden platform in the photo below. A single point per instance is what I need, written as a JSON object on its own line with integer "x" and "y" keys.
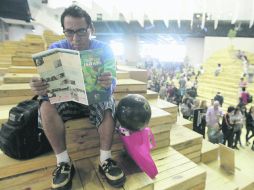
{"x": 187, "y": 142}
{"x": 16, "y": 92}
{"x": 218, "y": 179}
{"x": 209, "y": 152}
{"x": 175, "y": 172}
{"x": 82, "y": 142}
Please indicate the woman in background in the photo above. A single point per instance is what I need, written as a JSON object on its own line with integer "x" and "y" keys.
{"x": 250, "y": 126}
{"x": 237, "y": 121}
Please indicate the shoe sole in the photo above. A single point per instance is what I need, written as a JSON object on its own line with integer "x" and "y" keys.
{"x": 117, "y": 183}
{"x": 67, "y": 186}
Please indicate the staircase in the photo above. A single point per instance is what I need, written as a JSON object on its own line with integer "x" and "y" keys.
{"x": 178, "y": 153}
{"x": 228, "y": 80}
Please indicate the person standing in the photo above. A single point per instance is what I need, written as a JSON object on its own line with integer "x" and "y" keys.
{"x": 213, "y": 115}
{"x": 227, "y": 127}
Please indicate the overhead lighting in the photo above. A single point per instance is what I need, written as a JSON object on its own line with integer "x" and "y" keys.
{"x": 58, "y": 4}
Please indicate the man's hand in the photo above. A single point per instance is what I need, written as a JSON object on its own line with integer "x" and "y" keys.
{"x": 105, "y": 79}
{"x": 38, "y": 86}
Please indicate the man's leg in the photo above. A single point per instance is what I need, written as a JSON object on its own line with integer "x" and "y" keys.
{"x": 53, "y": 127}
{"x": 55, "y": 131}
{"x": 108, "y": 167}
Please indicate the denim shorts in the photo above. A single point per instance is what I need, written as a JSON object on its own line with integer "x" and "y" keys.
{"x": 72, "y": 110}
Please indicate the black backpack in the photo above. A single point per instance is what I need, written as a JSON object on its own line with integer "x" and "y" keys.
{"x": 20, "y": 137}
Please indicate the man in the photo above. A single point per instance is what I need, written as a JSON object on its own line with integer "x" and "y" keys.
{"x": 219, "y": 98}
{"x": 78, "y": 27}
{"x": 213, "y": 115}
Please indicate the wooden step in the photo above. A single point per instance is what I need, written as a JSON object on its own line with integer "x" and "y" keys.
{"x": 18, "y": 77}
{"x": 165, "y": 105}
{"x": 23, "y": 74}
{"x": 151, "y": 94}
{"x": 134, "y": 73}
{"x": 217, "y": 178}
{"x": 4, "y": 109}
{"x": 22, "y": 69}
{"x": 184, "y": 122}
{"x": 3, "y": 70}
{"x": 82, "y": 142}
{"x": 187, "y": 142}
{"x": 122, "y": 75}
{"x": 175, "y": 172}
{"x": 216, "y": 181}
{"x": 209, "y": 151}
{"x": 22, "y": 60}
{"x": 14, "y": 93}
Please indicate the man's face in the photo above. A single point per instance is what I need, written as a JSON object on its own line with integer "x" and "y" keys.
{"x": 77, "y": 32}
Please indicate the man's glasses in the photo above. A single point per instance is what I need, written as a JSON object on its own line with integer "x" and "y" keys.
{"x": 80, "y": 32}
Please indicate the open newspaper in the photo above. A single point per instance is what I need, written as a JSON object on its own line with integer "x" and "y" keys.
{"x": 72, "y": 75}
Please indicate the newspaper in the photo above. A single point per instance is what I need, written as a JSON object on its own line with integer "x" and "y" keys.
{"x": 72, "y": 75}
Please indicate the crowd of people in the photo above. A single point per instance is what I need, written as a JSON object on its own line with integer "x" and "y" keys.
{"x": 180, "y": 88}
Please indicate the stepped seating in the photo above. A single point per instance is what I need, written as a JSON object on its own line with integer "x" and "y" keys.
{"x": 175, "y": 164}
{"x": 175, "y": 172}
{"x": 82, "y": 144}
{"x": 209, "y": 85}
{"x": 228, "y": 80}
{"x": 219, "y": 179}
{"x": 186, "y": 142}
{"x": 209, "y": 152}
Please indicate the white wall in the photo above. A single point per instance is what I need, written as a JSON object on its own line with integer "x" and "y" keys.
{"x": 195, "y": 50}
{"x": 213, "y": 44}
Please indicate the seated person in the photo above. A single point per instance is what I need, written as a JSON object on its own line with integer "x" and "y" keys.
{"x": 78, "y": 28}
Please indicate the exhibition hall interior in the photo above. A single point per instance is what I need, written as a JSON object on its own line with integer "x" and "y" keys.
{"x": 126, "y": 95}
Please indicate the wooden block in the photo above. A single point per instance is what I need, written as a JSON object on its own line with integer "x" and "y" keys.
{"x": 184, "y": 122}
{"x": 209, "y": 151}
{"x": 18, "y": 78}
{"x": 135, "y": 73}
{"x": 122, "y": 75}
{"x": 227, "y": 158}
{"x": 22, "y": 69}
{"x": 13, "y": 100}
{"x": 87, "y": 173}
{"x": 187, "y": 142}
{"x": 124, "y": 85}
{"x": 130, "y": 85}
{"x": 135, "y": 179}
{"x": 217, "y": 179}
{"x": 151, "y": 94}
{"x": 166, "y": 106}
{"x": 22, "y": 61}
{"x": 176, "y": 171}
{"x": 14, "y": 90}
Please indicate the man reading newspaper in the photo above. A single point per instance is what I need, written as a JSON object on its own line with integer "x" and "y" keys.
{"x": 78, "y": 27}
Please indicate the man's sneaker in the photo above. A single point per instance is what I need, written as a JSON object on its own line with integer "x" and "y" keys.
{"x": 62, "y": 175}
{"x": 112, "y": 173}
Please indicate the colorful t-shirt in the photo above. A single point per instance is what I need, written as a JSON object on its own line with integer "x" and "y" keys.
{"x": 94, "y": 44}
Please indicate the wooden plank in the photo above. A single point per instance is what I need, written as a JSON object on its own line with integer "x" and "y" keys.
{"x": 135, "y": 73}
{"x": 22, "y": 69}
{"x": 14, "y": 90}
{"x": 8, "y": 90}
{"x": 130, "y": 85}
{"x": 166, "y": 106}
{"x": 209, "y": 151}
{"x": 122, "y": 75}
{"x": 18, "y": 78}
{"x": 87, "y": 173}
{"x": 227, "y": 158}
{"x": 13, "y": 100}
{"x": 135, "y": 179}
